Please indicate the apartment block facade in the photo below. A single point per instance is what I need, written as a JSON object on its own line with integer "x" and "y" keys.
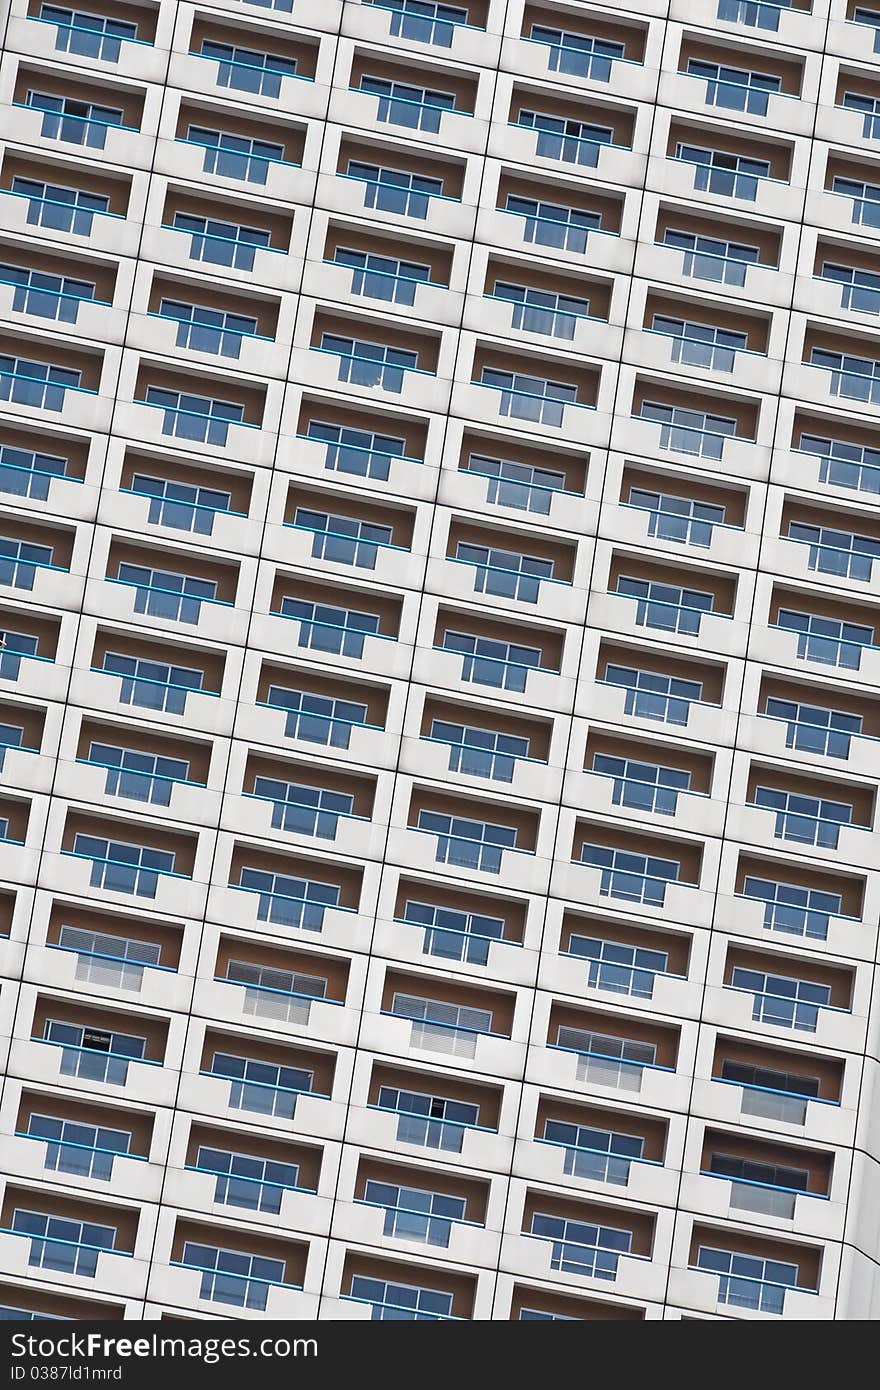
{"x": 440, "y": 661}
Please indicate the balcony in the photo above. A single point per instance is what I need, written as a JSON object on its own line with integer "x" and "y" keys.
{"x": 584, "y": 1145}
{"x": 556, "y": 217}
{"x": 715, "y": 250}
{"x": 196, "y": 410}
{"x": 418, "y": 1206}
{"x": 543, "y": 1305}
{"x": 86, "y": 1044}
{"x": 331, "y": 620}
{"x": 814, "y": 722}
{"x": 557, "y": 308}
{"x": 386, "y": 1291}
{"x": 646, "y": 780}
{"x": 258, "y": 155}
{"x": 30, "y": 465}
{"x": 586, "y": 47}
{"x": 477, "y": 742}
{"x": 470, "y": 836}
{"x": 821, "y": 632}
{"x": 135, "y": 766}
{"x": 235, "y": 1269}
{"x": 807, "y": 813}
{"x": 662, "y": 689}
{"x": 308, "y": 800}
{"x": 97, "y": 34}
{"x": 498, "y": 655}
{"x": 262, "y": 1081}
{"x": 374, "y": 446}
{"x": 537, "y": 480}
{"x": 111, "y": 952}
{"x": 76, "y": 112}
{"x": 572, "y": 134}
{"x": 677, "y": 510}
{"x": 251, "y": 1174}
{"x": 777, "y": 1085}
{"x": 461, "y": 29}
{"x": 757, "y": 83}
{"x": 798, "y": 900}
{"x": 182, "y": 498}
{"x": 68, "y": 1238}
{"x": 751, "y": 1275}
{"x": 40, "y": 286}
{"x": 515, "y": 567}
{"x": 438, "y": 102}
{"x": 262, "y": 66}
{"x": 617, "y": 1052}
{"x": 84, "y": 1143}
{"x": 584, "y": 1241}
{"x": 700, "y": 338}
{"x": 845, "y": 280}
{"x": 452, "y": 925}
{"x": 273, "y": 984}
{"x": 804, "y": 996}
{"x": 240, "y": 237}
{"x": 290, "y": 891}
{"x": 712, "y": 163}
{"x": 322, "y": 711}
{"x": 768, "y": 1181}
{"x": 407, "y": 272}
{"x": 619, "y": 959}
{"x": 375, "y": 177}
{"x": 698, "y": 424}
{"x": 440, "y": 1016}
{"x": 434, "y": 1111}
{"x": 163, "y": 677}
{"x": 173, "y": 586}
{"x": 340, "y": 529}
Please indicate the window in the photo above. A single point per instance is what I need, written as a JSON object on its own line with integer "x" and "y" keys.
{"x": 121, "y": 867}
{"x": 78, "y": 122}
{"x": 383, "y": 277}
{"x": 643, "y": 786}
{"x": 401, "y": 103}
{"x": 869, "y": 108}
{"x": 38, "y": 384}
{"x": 412, "y": 1213}
{"x": 505, "y": 573}
{"x": 856, "y": 378}
{"x": 343, "y": 540}
{"x": 106, "y": 959}
{"x": 735, "y": 89}
{"x": 480, "y": 752}
{"x": 690, "y": 431}
{"x": 288, "y": 901}
{"x": 579, "y": 55}
{"x": 303, "y": 809}
{"x": 859, "y": 289}
{"x": 619, "y": 968}
{"x": 453, "y": 934}
{"x": 326, "y": 627}
{"x": 837, "y": 552}
{"x": 401, "y": 1302}
{"x": 438, "y": 1014}
{"x": 156, "y": 685}
{"x": 423, "y": 21}
{"x": 94, "y": 1054}
{"x": 790, "y": 908}
{"x": 711, "y": 258}
{"x": 843, "y": 464}
{"x": 209, "y": 330}
{"x": 17, "y": 645}
{"x": 48, "y": 296}
{"x": 518, "y": 485}
{"x": 139, "y": 776}
{"x": 248, "y": 70}
{"x": 701, "y": 344}
{"x": 573, "y": 142}
{"x": 396, "y": 190}
{"x": 730, "y": 175}
{"x": 317, "y": 718}
{"x": 607, "y": 1047}
{"x": 865, "y": 199}
{"x": 221, "y": 243}
{"x": 532, "y": 398}
{"x": 470, "y": 844}
{"x": 747, "y": 1281}
{"x": 504, "y": 665}
{"x": 235, "y": 156}
{"x": 815, "y": 728}
{"x": 197, "y": 418}
{"x": 599, "y": 1155}
{"x": 543, "y": 311}
{"x": 89, "y": 35}
{"x": 71, "y": 1247}
{"x": 640, "y": 878}
{"x": 180, "y": 505}
{"x": 285, "y": 987}
{"x": 85, "y": 1150}
{"x": 243, "y": 1180}
{"x": 672, "y": 518}
{"x": 652, "y": 695}
{"x": 768, "y": 1078}
{"x": 264, "y": 1088}
{"x": 582, "y": 1247}
{"x": 29, "y": 473}
{"x": 230, "y": 1276}
{"x": 164, "y": 594}
{"x": 360, "y": 452}
{"x": 429, "y": 1121}
{"x": 809, "y": 820}
{"x": 781, "y": 1000}
{"x": 20, "y": 560}
{"x": 667, "y": 606}
{"x": 370, "y": 364}
{"x": 871, "y": 18}
{"x": 828, "y": 641}
{"x": 59, "y": 208}
{"x": 754, "y": 14}
{"x": 553, "y": 224}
